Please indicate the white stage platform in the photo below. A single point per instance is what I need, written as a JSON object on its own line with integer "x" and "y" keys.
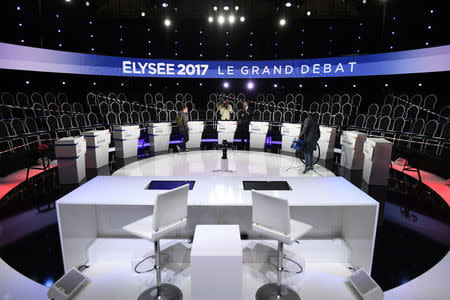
{"x": 343, "y": 218}
{"x": 244, "y": 163}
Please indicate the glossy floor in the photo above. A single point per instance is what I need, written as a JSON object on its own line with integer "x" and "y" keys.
{"x": 412, "y": 236}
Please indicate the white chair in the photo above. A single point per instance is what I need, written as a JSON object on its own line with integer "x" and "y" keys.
{"x": 169, "y": 214}
{"x": 271, "y": 219}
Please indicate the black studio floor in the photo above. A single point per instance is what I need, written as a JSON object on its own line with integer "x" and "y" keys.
{"x": 401, "y": 252}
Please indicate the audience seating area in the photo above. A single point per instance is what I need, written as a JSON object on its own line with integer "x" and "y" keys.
{"x": 413, "y": 124}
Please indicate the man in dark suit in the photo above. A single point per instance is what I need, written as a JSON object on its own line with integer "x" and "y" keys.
{"x": 310, "y": 134}
{"x": 246, "y": 116}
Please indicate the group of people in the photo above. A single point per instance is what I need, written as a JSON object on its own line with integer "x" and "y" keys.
{"x": 310, "y": 132}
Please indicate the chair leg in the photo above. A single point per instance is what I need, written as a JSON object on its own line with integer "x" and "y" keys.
{"x": 157, "y": 268}
{"x": 277, "y": 291}
{"x": 161, "y": 291}
{"x": 279, "y": 267}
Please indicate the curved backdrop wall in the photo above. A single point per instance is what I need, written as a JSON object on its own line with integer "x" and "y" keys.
{"x": 16, "y": 57}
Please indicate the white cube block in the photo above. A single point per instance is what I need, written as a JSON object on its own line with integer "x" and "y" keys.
{"x": 216, "y": 263}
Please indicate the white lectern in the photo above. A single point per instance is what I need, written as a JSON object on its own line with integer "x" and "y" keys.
{"x": 377, "y": 157}
{"x": 159, "y": 136}
{"x": 97, "y": 144}
{"x": 352, "y": 143}
{"x": 195, "y": 134}
{"x": 70, "y": 154}
{"x": 289, "y": 131}
{"x": 258, "y": 133}
{"x": 326, "y": 142}
{"x": 216, "y": 263}
{"x": 126, "y": 140}
{"x": 225, "y": 131}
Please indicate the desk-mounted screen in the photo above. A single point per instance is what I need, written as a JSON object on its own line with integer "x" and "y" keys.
{"x": 168, "y": 184}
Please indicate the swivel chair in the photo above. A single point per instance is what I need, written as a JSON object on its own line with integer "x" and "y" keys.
{"x": 271, "y": 219}
{"x": 169, "y": 214}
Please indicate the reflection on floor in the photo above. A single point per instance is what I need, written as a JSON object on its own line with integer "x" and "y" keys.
{"x": 412, "y": 236}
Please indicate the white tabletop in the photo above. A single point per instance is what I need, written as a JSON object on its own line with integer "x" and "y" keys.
{"x": 218, "y": 190}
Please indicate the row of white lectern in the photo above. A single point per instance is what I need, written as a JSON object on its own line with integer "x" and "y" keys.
{"x": 75, "y": 154}
{"x": 91, "y": 151}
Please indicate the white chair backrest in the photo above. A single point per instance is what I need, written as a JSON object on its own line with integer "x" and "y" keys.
{"x": 170, "y": 207}
{"x": 271, "y": 212}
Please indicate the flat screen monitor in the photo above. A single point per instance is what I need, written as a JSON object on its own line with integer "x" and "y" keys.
{"x": 267, "y": 185}
{"x": 168, "y": 184}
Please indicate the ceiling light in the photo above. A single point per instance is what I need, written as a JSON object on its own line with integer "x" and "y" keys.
{"x": 275, "y": 85}
{"x": 226, "y": 84}
{"x": 242, "y": 19}
{"x": 308, "y": 13}
{"x": 165, "y": 4}
{"x": 288, "y": 4}
{"x": 167, "y": 22}
{"x": 282, "y": 22}
{"x": 210, "y": 19}
{"x": 215, "y": 8}
{"x": 143, "y": 14}
{"x": 221, "y": 19}
{"x": 87, "y": 3}
{"x": 236, "y": 8}
{"x": 250, "y": 85}
{"x": 226, "y": 8}
{"x": 231, "y": 19}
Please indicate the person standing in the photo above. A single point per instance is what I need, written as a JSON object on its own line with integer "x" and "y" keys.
{"x": 246, "y": 116}
{"x": 310, "y": 134}
{"x": 225, "y": 111}
{"x": 183, "y": 128}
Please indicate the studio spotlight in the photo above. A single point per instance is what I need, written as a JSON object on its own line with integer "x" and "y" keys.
{"x": 221, "y": 19}
{"x": 242, "y": 19}
{"x": 143, "y": 14}
{"x": 275, "y": 85}
{"x": 210, "y": 19}
{"x": 250, "y": 85}
{"x": 288, "y": 4}
{"x": 236, "y": 8}
{"x": 231, "y": 19}
{"x": 27, "y": 82}
{"x": 215, "y": 8}
{"x": 308, "y": 13}
{"x": 282, "y": 22}
{"x": 165, "y": 4}
{"x": 87, "y": 3}
{"x": 167, "y": 22}
{"x": 226, "y": 84}
{"x": 226, "y": 7}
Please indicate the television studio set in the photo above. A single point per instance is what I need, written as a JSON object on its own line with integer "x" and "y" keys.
{"x": 224, "y": 150}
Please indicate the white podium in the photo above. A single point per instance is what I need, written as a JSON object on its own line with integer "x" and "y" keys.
{"x": 70, "y": 154}
{"x": 258, "y": 133}
{"x": 326, "y": 142}
{"x": 352, "y": 143}
{"x": 126, "y": 140}
{"x": 225, "y": 131}
{"x": 159, "y": 136}
{"x": 289, "y": 131}
{"x": 97, "y": 144}
{"x": 195, "y": 134}
{"x": 377, "y": 157}
{"x": 216, "y": 263}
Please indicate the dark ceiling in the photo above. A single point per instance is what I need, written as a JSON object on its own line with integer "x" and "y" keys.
{"x": 333, "y": 27}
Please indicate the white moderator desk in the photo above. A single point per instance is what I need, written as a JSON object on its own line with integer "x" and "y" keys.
{"x": 332, "y": 205}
